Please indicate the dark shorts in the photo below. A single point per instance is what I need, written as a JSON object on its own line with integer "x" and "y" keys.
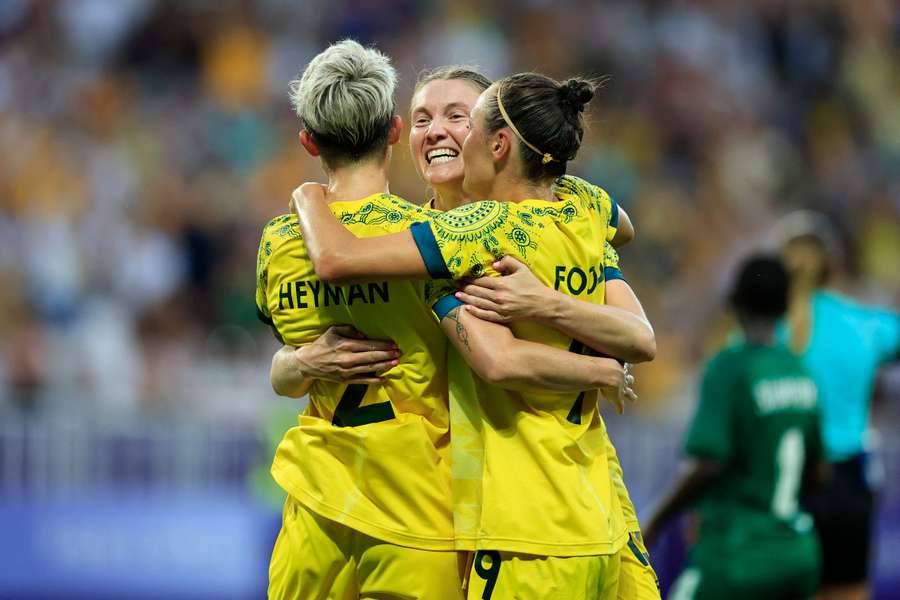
{"x": 752, "y": 570}
{"x": 843, "y": 511}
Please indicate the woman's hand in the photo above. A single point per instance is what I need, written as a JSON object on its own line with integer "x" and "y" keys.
{"x": 518, "y": 295}
{"x": 345, "y": 355}
{"x": 623, "y": 393}
{"x": 307, "y": 192}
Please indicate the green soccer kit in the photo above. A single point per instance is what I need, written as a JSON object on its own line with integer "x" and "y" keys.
{"x": 758, "y": 417}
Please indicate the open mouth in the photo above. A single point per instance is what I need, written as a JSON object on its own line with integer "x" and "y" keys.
{"x": 440, "y": 155}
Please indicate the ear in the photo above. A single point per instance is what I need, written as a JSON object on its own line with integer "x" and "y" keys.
{"x": 308, "y": 143}
{"x": 396, "y": 130}
{"x": 501, "y": 144}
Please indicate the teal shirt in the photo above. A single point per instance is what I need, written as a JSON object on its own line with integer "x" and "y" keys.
{"x": 758, "y": 417}
{"x": 848, "y": 343}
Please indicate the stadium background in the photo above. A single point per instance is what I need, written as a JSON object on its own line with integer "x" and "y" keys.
{"x": 145, "y": 143}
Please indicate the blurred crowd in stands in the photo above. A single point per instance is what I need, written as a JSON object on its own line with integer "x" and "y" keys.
{"x": 146, "y": 143}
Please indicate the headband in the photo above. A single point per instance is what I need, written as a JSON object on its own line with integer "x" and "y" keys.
{"x": 546, "y": 156}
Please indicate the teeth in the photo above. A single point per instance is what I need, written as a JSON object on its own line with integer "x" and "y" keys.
{"x": 441, "y": 159}
{"x": 441, "y": 155}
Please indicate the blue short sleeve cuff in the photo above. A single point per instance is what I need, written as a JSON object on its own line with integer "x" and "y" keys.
{"x": 430, "y": 251}
{"x": 614, "y": 215}
{"x": 445, "y": 305}
{"x": 610, "y": 273}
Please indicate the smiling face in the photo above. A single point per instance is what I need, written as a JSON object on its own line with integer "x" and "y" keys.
{"x": 439, "y": 123}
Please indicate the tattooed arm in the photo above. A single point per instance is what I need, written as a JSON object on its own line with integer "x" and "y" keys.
{"x": 501, "y": 359}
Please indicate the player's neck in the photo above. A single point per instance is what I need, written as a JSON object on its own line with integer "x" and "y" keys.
{"x": 356, "y": 181}
{"x": 758, "y": 331}
{"x": 515, "y": 189}
{"x": 448, "y": 197}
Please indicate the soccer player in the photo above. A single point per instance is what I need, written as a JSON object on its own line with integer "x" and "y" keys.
{"x": 842, "y": 344}
{"x": 439, "y": 111}
{"x": 439, "y": 118}
{"x": 546, "y": 447}
{"x": 753, "y": 442}
{"x": 367, "y": 469}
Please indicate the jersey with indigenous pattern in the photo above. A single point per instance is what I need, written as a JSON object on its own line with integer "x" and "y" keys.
{"x": 530, "y": 470}
{"x": 758, "y": 416}
{"x": 374, "y": 458}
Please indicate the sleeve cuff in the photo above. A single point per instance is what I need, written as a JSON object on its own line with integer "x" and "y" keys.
{"x": 610, "y": 273}
{"x": 428, "y": 248}
{"x": 445, "y": 305}
{"x": 614, "y": 215}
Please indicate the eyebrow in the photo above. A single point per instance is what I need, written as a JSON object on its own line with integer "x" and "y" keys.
{"x": 451, "y": 106}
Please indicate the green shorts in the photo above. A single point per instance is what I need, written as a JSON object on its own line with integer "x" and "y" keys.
{"x": 774, "y": 571}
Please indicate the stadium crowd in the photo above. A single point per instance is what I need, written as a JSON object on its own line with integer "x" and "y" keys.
{"x": 147, "y": 142}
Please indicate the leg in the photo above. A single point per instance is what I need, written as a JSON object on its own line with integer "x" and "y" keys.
{"x": 390, "y": 572}
{"x": 311, "y": 558}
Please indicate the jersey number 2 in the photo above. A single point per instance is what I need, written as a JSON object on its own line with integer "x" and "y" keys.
{"x": 349, "y": 413}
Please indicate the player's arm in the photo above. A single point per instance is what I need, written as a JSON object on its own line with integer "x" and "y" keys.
{"x": 624, "y": 231}
{"x": 340, "y": 257}
{"x": 341, "y": 354}
{"x": 501, "y": 359}
{"x": 709, "y": 446}
{"x": 619, "y": 328}
{"x": 695, "y": 476}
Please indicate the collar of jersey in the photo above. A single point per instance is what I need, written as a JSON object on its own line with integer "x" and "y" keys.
{"x": 361, "y": 201}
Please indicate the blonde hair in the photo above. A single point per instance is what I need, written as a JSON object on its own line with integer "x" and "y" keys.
{"x": 345, "y": 98}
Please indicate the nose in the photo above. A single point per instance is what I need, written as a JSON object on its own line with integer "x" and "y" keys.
{"x": 436, "y": 130}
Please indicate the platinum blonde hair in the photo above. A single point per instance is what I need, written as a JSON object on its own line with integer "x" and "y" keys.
{"x": 345, "y": 98}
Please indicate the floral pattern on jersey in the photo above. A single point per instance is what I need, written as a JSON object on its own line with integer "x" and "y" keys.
{"x": 386, "y": 210}
{"x": 471, "y": 237}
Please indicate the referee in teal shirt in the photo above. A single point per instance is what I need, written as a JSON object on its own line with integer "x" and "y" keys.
{"x": 842, "y": 344}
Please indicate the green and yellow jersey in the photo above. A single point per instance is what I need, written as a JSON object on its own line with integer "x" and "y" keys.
{"x": 530, "y": 470}
{"x": 375, "y": 458}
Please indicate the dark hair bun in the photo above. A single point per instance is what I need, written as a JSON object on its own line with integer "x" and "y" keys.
{"x": 575, "y": 93}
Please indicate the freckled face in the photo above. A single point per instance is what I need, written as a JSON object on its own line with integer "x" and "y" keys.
{"x": 439, "y": 123}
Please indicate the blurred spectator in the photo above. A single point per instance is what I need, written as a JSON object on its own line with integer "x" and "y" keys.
{"x": 149, "y": 140}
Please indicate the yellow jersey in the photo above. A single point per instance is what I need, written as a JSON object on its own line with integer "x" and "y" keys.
{"x": 629, "y": 513}
{"x": 530, "y": 470}
{"x": 374, "y": 458}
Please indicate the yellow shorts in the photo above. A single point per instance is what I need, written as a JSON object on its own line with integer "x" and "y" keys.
{"x": 637, "y": 579}
{"x": 315, "y": 558}
{"x": 505, "y": 575}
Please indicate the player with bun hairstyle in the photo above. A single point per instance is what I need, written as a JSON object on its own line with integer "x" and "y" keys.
{"x": 532, "y": 489}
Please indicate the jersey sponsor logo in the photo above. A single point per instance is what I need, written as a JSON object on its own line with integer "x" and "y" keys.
{"x": 787, "y": 393}
{"x": 576, "y": 280}
{"x": 307, "y": 293}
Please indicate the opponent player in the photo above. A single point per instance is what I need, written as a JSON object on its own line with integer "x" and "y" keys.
{"x": 367, "y": 467}
{"x": 753, "y": 442}
{"x": 439, "y": 117}
{"x": 554, "y": 440}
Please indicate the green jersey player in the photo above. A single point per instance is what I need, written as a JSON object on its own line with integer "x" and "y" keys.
{"x": 752, "y": 444}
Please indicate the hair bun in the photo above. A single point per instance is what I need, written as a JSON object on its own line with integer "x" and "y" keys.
{"x": 576, "y": 93}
